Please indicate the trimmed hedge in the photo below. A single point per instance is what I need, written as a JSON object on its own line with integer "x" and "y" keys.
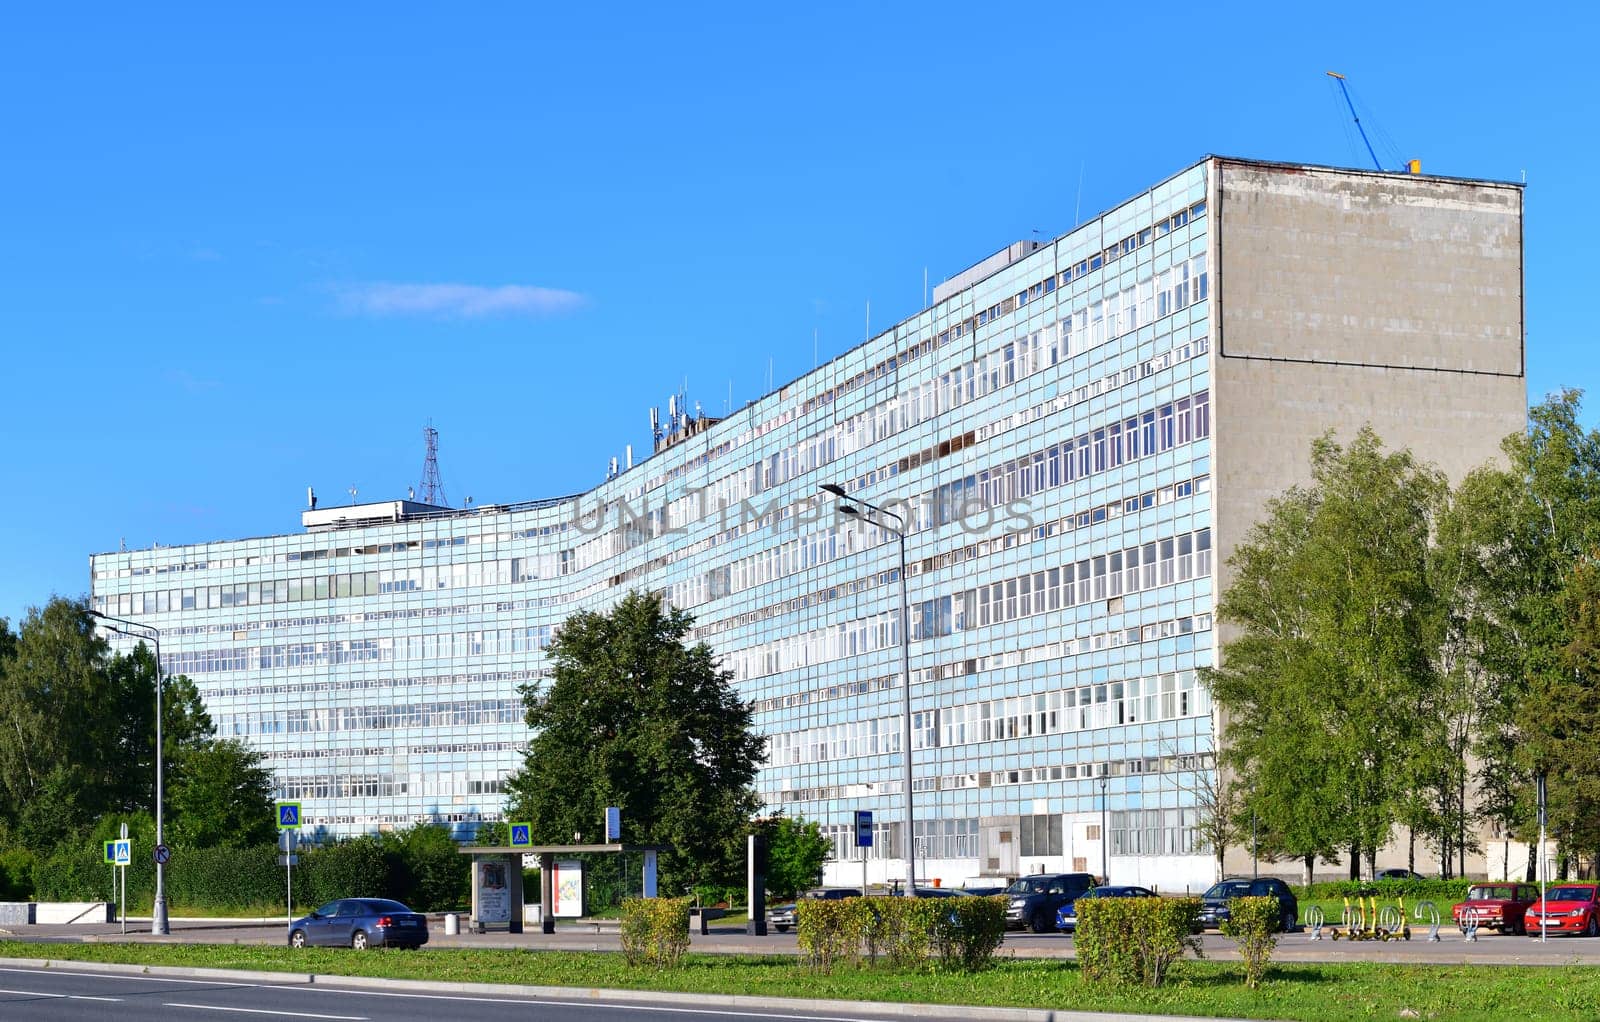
{"x": 1252, "y": 924}
{"x": 968, "y": 935}
{"x": 420, "y": 871}
{"x": 830, "y": 931}
{"x": 655, "y": 931}
{"x": 908, "y": 933}
{"x": 1413, "y": 890}
{"x": 1130, "y": 941}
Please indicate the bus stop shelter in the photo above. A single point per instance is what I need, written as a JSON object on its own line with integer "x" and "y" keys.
{"x": 497, "y": 894}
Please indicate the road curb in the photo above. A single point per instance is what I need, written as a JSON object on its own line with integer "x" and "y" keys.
{"x": 600, "y": 995}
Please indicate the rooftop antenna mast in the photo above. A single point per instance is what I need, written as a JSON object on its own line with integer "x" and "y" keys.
{"x": 432, "y": 487}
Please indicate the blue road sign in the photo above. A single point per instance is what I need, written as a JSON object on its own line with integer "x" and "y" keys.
{"x": 288, "y": 815}
{"x": 521, "y": 835}
{"x": 122, "y": 852}
{"x": 108, "y": 853}
{"x": 863, "y": 828}
{"x": 162, "y": 855}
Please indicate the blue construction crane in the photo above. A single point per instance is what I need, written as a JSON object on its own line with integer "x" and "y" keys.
{"x": 1412, "y": 166}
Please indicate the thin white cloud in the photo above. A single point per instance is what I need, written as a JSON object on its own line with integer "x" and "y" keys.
{"x": 456, "y": 301}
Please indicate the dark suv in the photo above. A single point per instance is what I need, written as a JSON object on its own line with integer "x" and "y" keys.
{"x": 1214, "y": 903}
{"x": 1032, "y": 901}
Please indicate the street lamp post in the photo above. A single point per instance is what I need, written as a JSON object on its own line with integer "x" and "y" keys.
{"x": 158, "y": 920}
{"x": 852, "y": 506}
{"x": 1105, "y": 831}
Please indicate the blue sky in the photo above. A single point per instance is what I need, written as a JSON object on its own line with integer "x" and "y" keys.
{"x": 247, "y": 251}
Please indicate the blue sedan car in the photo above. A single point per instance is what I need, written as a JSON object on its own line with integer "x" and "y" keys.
{"x": 360, "y": 923}
{"x": 1067, "y": 915}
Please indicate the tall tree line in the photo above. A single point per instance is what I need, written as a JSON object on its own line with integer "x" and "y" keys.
{"x": 1408, "y": 655}
{"x": 77, "y": 742}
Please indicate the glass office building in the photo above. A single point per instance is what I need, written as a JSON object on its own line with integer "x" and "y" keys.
{"x": 1051, "y": 428}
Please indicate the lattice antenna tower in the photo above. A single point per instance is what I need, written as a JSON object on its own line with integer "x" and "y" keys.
{"x": 432, "y": 487}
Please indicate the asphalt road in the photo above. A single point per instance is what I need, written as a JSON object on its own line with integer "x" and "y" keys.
{"x": 58, "y": 993}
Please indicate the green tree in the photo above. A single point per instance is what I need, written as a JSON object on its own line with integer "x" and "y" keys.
{"x": 1519, "y": 532}
{"x": 1329, "y": 666}
{"x": 222, "y": 797}
{"x": 796, "y": 851}
{"x": 185, "y": 725}
{"x": 637, "y": 718}
{"x": 1573, "y": 717}
{"x": 59, "y": 765}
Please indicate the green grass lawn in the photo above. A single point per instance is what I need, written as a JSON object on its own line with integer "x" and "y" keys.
{"x": 1334, "y": 992}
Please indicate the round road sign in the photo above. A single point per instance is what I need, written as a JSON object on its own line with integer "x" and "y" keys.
{"x": 163, "y": 854}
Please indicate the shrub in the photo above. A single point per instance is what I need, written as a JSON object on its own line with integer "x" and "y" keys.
{"x": 655, "y": 931}
{"x": 967, "y": 931}
{"x": 830, "y": 931}
{"x": 1252, "y": 923}
{"x": 350, "y": 869}
{"x": 1128, "y": 941}
{"x": 16, "y": 874}
{"x": 428, "y": 870}
{"x": 900, "y": 928}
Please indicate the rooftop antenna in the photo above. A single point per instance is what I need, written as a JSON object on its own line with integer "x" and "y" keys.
{"x": 432, "y": 486}
{"x": 352, "y": 492}
{"x": 1077, "y": 207}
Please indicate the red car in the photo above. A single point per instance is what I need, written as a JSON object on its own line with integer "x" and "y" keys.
{"x": 1567, "y": 908}
{"x": 1496, "y": 907}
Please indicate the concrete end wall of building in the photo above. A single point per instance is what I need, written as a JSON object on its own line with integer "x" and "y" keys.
{"x": 1345, "y": 299}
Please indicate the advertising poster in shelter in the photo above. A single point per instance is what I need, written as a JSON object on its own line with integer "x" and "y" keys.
{"x": 494, "y": 893}
{"x": 567, "y": 883}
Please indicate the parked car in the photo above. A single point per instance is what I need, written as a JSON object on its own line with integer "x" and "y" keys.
{"x": 782, "y": 917}
{"x": 984, "y": 892}
{"x": 1032, "y": 901}
{"x": 1067, "y": 915}
{"x": 1214, "y": 903}
{"x": 1502, "y": 907}
{"x": 360, "y": 923}
{"x": 1398, "y": 874}
{"x": 1566, "y": 908}
{"x": 942, "y": 892}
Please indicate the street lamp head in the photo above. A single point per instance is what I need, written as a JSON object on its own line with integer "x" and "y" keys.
{"x": 833, "y": 488}
{"x": 849, "y": 509}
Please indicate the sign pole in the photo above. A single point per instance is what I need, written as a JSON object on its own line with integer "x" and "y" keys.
{"x": 124, "y": 871}
{"x": 1544, "y": 909}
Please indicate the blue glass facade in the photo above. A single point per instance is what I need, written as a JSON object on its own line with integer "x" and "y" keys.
{"x": 1048, "y": 431}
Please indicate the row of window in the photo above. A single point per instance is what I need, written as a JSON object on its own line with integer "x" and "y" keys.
{"x": 802, "y": 553}
{"x": 880, "y": 790}
{"x": 342, "y": 652}
{"x": 1102, "y": 577}
{"x": 1105, "y": 576}
{"x": 946, "y": 838}
{"x": 1107, "y": 704}
{"x": 1169, "y": 425}
{"x": 455, "y": 713}
{"x": 1156, "y": 832}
